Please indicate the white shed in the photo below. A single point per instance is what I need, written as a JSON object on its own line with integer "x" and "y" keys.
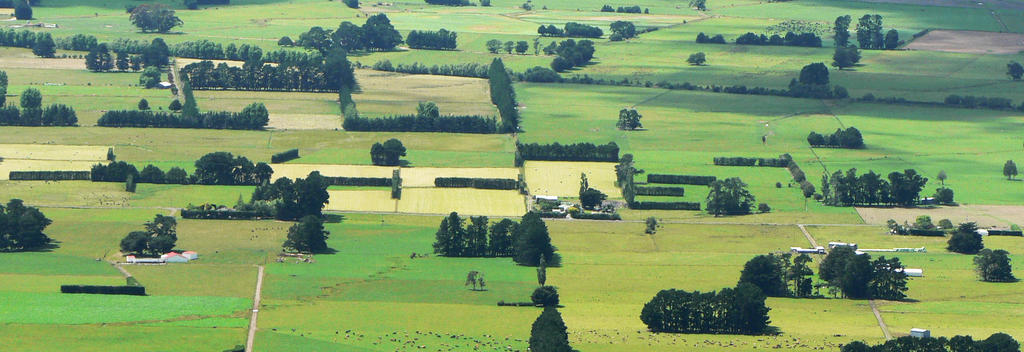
{"x": 913, "y": 272}
{"x": 174, "y": 257}
{"x": 922, "y": 333}
{"x": 191, "y": 255}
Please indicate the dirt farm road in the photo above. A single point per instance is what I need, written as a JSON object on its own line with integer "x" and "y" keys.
{"x": 255, "y": 310}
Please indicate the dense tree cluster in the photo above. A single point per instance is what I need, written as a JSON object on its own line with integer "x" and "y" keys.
{"x": 307, "y": 236}
{"x": 503, "y": 96}
{"x": 461, "y": 70}
{"x": 622, "y": 30}
{"x": 848, "y": 138}
{"x": 629, "y": 119}
{"x": 571, "y": 29}
{"x": 154, "y": 18}
{"x": 159, "y": 237}
{"x": 304, "y": 73}
{"x": 869, "y": 34}
{"x": 568, "y": 152}
{"x": 32, "y": 112}
{"x": 21, "y": 227}
{"x": 475, "y": 238}
{"x": 539, "y": 74}
{"x": 223, "y": 168}
{"x": 705, "y": 39}
{"x": 376, "y": 34}
{"x": 590, "y": 198}
{"x": 681, "y": 179}
{"x": 439, "y": 40}
{"x": 572, "y": 54}
{"x": 449, "y": 2}
{"x": 253, "y": 117}
{"x": 790, "y": 39}
{"x": 621, "y": 9}
{"x": 294, "y": 200}
{"x": 22, "y": 10}
{"x": 388, "y": 153}
{"x": 847, "y": 189}
{"x": 729, "y": 197}
{"x": 729, "y": 311}
{"x": 761, "y": 162}
{"x": 427, "y": 119}
{"x": 994, "y": 266}
{"x": 998, "y": 342}
{"x": 965, "y": 239}
{"x": 845, "y": 56}
{"x": 290, "y": 154}
{"x": 857, "y": 276}
{"x": 779, "y": 275}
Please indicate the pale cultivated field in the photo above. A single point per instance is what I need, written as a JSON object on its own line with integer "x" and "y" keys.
{"x": 975, "y": 42}
{"x": 294, "y": 171}
{"x": 53, "y": 152}
{"x": 361, "y": 200}
{"x": 388, "y": 93}
{"x": 304, "y": 121}
{"x": 985, "y": 215}
{"x": 424, "y": 176}
{"x": 9, "y": 165}
{"x": 465, "y": 201}
{"x": 562, "y": 178}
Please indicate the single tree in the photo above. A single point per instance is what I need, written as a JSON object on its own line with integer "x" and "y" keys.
{"x": 522, "y": 46}
{"x": 494, "y": 46}
{"x": 697, "y": 59}
{"x": 549, "y": 333}
{"x": 143, "y": 104}
{"x": 122, "y": 62}
{"x": 942, "y": 177}
{"x": 1009, "y": 169}
{"x": 545, "y": 296}
{"x": 966, "y": 239}
{"x": 844, "y": 57}
{"x": 380, "y": 34}
{"x": 814, "y": 74}
{"x": 509, "y": 46}
{"x": 924, "y": 222}
{"x": 994, "y": 266}
{"x": 1015, "y": 70}
{"x": 729, "y": 197}
{"x": 31, "y": 98}
{"x": 533, "y": 242}
{"x": 629, "y": 119}
{"x": 892, "y": 39}
{"x": 387, "y": 154}
{"x": 841, "y": 31}
{"x": 23, "y": 10}
{"x": 175, "y": 105}
{"x": 150, "y": 77}
{"x": 285, "y": 41}
{"x": 542, "y": 272}
{"x": 307, "y": 236}
{"x": 44, "y": 46}
{"x": 652, "y": 225}
{"x": 700, "y": 5}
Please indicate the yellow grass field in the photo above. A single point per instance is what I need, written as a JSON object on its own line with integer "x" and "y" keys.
{"x": 53, "y": 152}
{"x": 304, "y": 121}
{"x": 361, "y": 200}
{"x": 424, "y": 176}
{"x": 562, "y": 178}
{"x": 294, "y": 171}
{"x": 9, "y": 165}
{"x": 396, "y": 93}
{"x": 465, "y": 201}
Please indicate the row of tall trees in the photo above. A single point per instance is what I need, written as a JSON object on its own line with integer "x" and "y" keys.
{"x": 503, "y": 95}
{"x": 997, "y": 342}
{"x": 457, "y": 237}
{"x": 427, "y": 119}
{"x": 159, "y": 237}
{"x": 310, "y": 73}
{"x": 739, "y": 310}
{"x": 790, "y": 39}
{"x": 376, "y": 34}
{"x": 32, "y": 112}
{"x": 435, "y": 40}
{"x": 568, "y": 152}
{"x": 571, "y": 29}
{"x": 388, "y": 153}
{"x": 218, "y": 168}
{"x": 857, "y": 276}
{"x": 21, "y": 227}
{"x": 252, "y": 117}
{"x": 847, "y": 188}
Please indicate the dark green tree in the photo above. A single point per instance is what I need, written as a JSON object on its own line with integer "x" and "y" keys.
{"x": 700, "y": 5}
{"x": 841, "y": 31}
{"x": 500, "y": 242}
{"x": 629, "y": 119}
{"x": 994, "y": 266}
{"x": 23, "y": 10}
{"x": 844, "y": 57}
{"x": 380, "y": 34}
{"x": 729, "y": 197}
{"x": 624, "y": 29}
{"x": 189, "y": 109}
{"x": 697, "y": 59}
{"x": 1009, "y": 169}
{"x": 99, "y": 59}
{"x": 476, "y": 236}
{"x": 154, "y": 18}
{"x": 31, "y": 98}
{"x": 21, "y": 227}
{"x": 533, "y": 242}
{"x": 814, "y": 74}
{"x": 450, "y": 239}
{"x": 150, "y": 78}
{"x": 966, "y": 239}
{"x": 1015, "y": 70}
{"x": 44, "y": 46}
{"x": 549, "y": 333}
{"x": 387, "y": 154}
{"x": 892, "y": 39}
{"x": 767, "y": 273}
{"x": 3, "y": 88}
{"x": 307, "y": 236}
{"x": 888, "y": 281}
{"x": 546, "y": 296}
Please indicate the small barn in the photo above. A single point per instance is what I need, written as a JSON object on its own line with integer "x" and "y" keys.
{"x": 920, "y": 333}
{"x": 191, "y": 255}
{"x": 164, "y": 85}
{"x": 174, "y": 257}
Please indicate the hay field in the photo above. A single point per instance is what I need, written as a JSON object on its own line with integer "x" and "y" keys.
{"x": 462, "y": 200}
{"x": 43, "y": 165}
{"x": 294, "y": 171}
{"x": 1001, "y": 216}
{"x": 388, "y": 93}
{"x": 424, "y": 176}
{"x": 562, "y": 178}
{"x": 53, "y": 152}
{"x": 361, "y": 200}
{"x": 972, "y": 42}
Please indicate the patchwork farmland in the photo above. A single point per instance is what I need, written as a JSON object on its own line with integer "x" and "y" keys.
{"x": 309, "y": 175}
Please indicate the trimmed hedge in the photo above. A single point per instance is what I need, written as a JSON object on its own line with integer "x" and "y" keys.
{"x": 596, "y": 216}
{"x": 665, "y": 205}
{"x": 1005, "y": 233}
{"x": 221, "y": 215}
{"x": 551, "y": 214}
{"x": 207, "y": 120}
{"x": 920, "y": 232}
{"x": 284, "y": 156}
{"x": 414, "y": 123}
{"x": 681, "y": 179}
{"x": 660, "y": 191}
{"x": 741, "y": 161}
{"x": 50, "y": 175}
{"x": 569, "y": 152}
{"x": 481, "y": 183}
{"x": 104, "y": 290}
{"x": 359, "y": 181}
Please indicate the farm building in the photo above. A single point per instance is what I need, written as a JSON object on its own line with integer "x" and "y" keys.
{"x": 190, "y": 255}
{"x": 921, "y": 333}
{"x": 833, "y": 245}
{"x": 174, "y": 257}
{"x": 913, "y": 272}
{"x": 164, "y": 85}
{"x": 131, "y": 259}
{"x": 815, "y": 250}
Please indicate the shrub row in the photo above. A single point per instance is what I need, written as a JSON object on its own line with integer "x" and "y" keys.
{"x": 460, "y": 70}
{"x": 481, "y": 183}
{"x": 740, "y": 161}
{"x": 222, "y": 214}
{"x": 1005, "y": 233}
{"x": 660, "y": 191}
{"x": 50, "y": 176}
{"x": 104, "y": 290}
{"x": 551, "y": 214}
{"x": 798, "y": 175}
{"x": 680, "y": 179}
{"x": 922, "y": 232}
{"x": 284, "y": 156}
{"x": 568, "y": 152}
{"x": 359, "y": 181}
{"x": 596, "y": 216}
{"x": 423, "y": 123}
{"x": 53, "y": 115}
{"x": 664, "y": 205}
{"x": 211, "y": 120}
